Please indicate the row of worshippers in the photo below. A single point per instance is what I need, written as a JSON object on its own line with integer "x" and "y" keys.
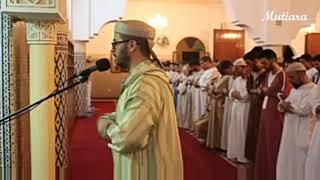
{"x": 312, "y": 65}
{"x": 256, "y": 110}
{"x": 190, "y": 83}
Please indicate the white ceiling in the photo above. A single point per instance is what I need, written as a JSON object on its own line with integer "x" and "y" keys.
{"x": 182, "y": 1}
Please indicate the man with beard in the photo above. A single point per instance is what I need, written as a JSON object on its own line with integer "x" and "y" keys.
{"x": 254, "y": 82}
{"x": 196, "y": 112}
{"x": 210, "y": 72}
{"x": 142, "y": 133}
{"x": 218, "y": 90}
{"x": 298, "y": 117}
{"x": 275, "y": 86}
{"x": 239, "y": 113}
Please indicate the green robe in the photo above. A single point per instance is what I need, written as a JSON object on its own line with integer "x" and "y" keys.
{"x": 144, "y": 136}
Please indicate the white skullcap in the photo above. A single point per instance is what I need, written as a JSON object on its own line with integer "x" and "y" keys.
{"x": 137, "y": 29}
{"x": 239, "y": 62}
{"x": 295, "y": 67}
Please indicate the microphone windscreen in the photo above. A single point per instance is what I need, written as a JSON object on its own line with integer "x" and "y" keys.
{"x": 103, "y": 64}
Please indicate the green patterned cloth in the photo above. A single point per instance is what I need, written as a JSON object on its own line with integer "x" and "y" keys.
{"x": 144, "y": 135}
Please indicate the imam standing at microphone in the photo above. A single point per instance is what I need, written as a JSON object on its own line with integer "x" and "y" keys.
{"x": 142, "y": 133}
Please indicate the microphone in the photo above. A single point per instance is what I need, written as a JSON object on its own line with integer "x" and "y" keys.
{"x": 102, "y": 64}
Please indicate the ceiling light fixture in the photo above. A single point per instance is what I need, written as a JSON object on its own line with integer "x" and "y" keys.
{"x": 158, "y": 22}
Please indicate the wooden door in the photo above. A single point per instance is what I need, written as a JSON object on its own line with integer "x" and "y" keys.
{"x": 228, "y": 44}
{"x": 312, "y": 45}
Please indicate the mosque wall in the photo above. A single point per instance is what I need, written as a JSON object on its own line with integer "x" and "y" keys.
{"x": 197, "y": 20}
{"x": 298, "y": 43}
{"x": 183, "y": 20}
{"x": 99, "y": 47}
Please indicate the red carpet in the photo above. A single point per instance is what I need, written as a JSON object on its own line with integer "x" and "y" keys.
{"x": 91, "y": 159}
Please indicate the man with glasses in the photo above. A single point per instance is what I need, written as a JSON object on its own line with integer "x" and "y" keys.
{"x": 142, "y": 133}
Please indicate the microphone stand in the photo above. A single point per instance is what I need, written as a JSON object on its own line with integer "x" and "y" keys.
{"x": 54, "y": 93}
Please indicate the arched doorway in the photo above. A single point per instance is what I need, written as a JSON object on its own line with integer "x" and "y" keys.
{"x": 189, "y": 49}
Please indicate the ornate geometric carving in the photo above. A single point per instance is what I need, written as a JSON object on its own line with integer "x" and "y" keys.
{"x": 41, "y": 31}
{"x": 5, "y": 101}
{"x": 31, "y": 3}
{"x": 79, "y": 65}
{"x": 45, "y": 10}
{"x": 13, "y": 96}
{"x": 61, "y": 126}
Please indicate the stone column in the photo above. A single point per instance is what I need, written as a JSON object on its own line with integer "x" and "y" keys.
{"x": 80, "y": 63}
{"x": 42, "y": 38}
{"x": 20, "y": 128}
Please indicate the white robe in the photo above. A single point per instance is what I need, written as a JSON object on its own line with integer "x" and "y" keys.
{"x": 311, "y": 72}
{"x": 316, "y": 79}
{"x": 209, "y": 74}
{"x": 226, "y": 118}
{"x": 169, "y": 74}
{"x": 189, "y": 103}
{"x": 172, "y": 76}
{"x": 182, "y": 101}
{"x": 175, "y": 84}
{"x": 197, "y": 98}
{"x": 312, "y": 167}
{"x": 294, "y": 147}
{"x": 176, "y": 77}
{"x": 239, "y": 121}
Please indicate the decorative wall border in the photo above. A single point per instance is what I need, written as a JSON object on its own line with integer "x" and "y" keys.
{"x": 38, "y": 30}
{"x": 61, "y": 58}
{"x": 80, "y": 63}
{"x": 5, "y": 101}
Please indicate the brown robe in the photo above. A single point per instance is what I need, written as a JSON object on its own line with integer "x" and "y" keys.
{"x": 254, "y": 115}
{"x": 201, "y": 127}
{"x": 270, "y": 131}
{"x": 216, "y": 110}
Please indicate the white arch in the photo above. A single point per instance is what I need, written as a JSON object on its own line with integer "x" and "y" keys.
{"x": 271, "y": 32}
{"x": 88, "y": 17}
